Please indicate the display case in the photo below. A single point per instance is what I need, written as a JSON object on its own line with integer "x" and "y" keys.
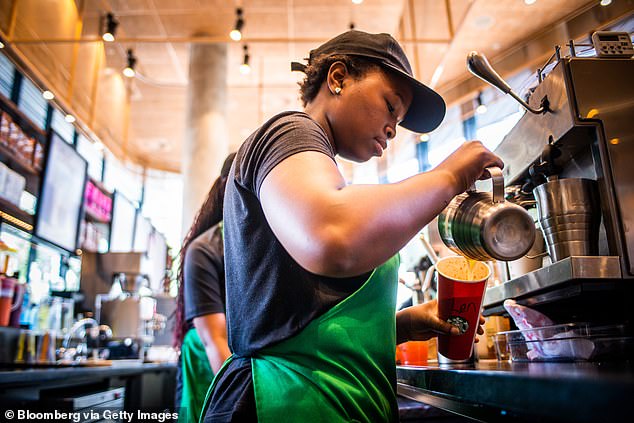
{"x": 22, "y": 146}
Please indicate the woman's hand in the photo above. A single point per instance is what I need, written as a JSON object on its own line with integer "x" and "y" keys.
{"x": 421, "y": 322}
{"x": 468, "y": 163}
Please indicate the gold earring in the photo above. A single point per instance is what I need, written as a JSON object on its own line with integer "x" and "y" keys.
{"x": 337, "y": 90}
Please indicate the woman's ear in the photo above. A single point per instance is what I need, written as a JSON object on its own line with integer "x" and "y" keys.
{"x": 336, "y": 75}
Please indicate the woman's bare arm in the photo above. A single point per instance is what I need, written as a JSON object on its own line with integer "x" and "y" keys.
{"x": 336, "y": 230}
{"x": 212, "y": 330}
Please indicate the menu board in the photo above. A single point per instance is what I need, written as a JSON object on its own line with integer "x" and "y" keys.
{"x": 97, "y": 203}
{"x": 61, "y": 197}
{"x": 157, "y": 258}
{"x": 123, "y": 217}
{"x": 142, "y": 232}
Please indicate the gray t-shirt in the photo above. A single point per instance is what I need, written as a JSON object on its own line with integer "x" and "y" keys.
{"x": 204, "y": 275}
{"x": 270, "y": 297}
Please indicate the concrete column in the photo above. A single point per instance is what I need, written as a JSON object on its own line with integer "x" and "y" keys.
{"x": 206, "y": 136}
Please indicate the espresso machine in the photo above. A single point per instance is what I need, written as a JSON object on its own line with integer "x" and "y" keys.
{"x": 579, "y": 125}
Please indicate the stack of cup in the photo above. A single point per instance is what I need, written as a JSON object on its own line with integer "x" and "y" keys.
{"x": 569, "y": 216}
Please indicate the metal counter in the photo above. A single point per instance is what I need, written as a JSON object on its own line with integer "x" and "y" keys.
{"x": 505, "y": 391}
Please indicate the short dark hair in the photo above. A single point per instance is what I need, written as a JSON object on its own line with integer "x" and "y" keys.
{"x": 317, "y": 71}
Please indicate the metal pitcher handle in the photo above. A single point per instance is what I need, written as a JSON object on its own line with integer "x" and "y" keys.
{"x": 497, "y": 179}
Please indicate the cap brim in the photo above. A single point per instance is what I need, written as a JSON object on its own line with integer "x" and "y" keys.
{"x": 427, "y": 109}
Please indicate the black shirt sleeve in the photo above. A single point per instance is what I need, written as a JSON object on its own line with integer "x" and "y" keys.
{"x": 204, "y": 276}
{"x": 277, "y": 140}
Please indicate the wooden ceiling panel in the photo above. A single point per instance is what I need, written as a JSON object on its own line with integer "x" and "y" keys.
{"x": 266, "y": 24}
{"x": 153, "y": 53}
{"x": 491, "y": 24}
{"x": 178, "y": 6}
{"x": 139, "y": 26}
{"x": 429, "y": 57}
{"x": 209, "y": 22}
{"x": 430, "y": 19}
{"x": 160, "y": 74}
{"x": 159, "y": 95}
{"x": 121, "y": 7}
{"x": 317, "y": 23}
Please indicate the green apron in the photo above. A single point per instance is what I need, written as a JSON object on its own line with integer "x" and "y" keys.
{"x": 339, "y": 368}
{"x": 197, "y": 376}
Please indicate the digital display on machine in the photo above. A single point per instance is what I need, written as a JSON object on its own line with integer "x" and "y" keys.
{"x": 62, "y": 195}
{"x": 609, "y": 37}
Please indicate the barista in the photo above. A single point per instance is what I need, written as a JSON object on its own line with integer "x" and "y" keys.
{"x": 201, "y": 333}
{"x": 311, "y": 262}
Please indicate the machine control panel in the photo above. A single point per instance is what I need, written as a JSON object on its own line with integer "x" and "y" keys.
{"x": 612, "y": 44}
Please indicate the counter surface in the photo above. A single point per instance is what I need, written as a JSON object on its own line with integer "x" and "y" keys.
{"x": 11, "y": 377}
{"x": 510, "y": 391}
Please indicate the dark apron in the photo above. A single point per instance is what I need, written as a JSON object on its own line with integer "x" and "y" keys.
{"x": 339, "y": 368}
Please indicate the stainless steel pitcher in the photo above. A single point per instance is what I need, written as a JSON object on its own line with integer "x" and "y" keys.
{"x": 569, "y": 216}
{"x": 483, "y": 226}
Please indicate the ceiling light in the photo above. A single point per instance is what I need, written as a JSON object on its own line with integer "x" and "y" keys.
{"x": 110, "y": 28}
{"x": 357, "y": 1}
{"x": 129, "y": 70}
{"x": 1, "y": 44}
{"x": 48, "y": 95}
{"x": 481, "y": 108}
{"x": 529, "y": 1}
{"x": 605, "y": 2}
{"x": 236, "y": 32}
{"x": 245, "y": 68}
{"x": 69, "y": 118}
{"x": 424, "y": 137}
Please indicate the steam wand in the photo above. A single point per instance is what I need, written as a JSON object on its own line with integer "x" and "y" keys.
{"x": 479, "y": 66}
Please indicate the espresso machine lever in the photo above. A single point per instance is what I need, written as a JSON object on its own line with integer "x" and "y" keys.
{"x": 479, "y": 66}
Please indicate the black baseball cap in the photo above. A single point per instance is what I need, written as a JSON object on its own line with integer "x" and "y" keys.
{"x": 427, "y": 109}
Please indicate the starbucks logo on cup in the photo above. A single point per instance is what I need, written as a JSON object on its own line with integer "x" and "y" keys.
{"x": 459, "y": 322}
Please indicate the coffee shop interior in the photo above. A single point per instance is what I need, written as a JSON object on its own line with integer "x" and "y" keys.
{"x": 116, "y": 117}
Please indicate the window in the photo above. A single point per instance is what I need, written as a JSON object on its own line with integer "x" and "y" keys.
{"x": 162, "y": 204}
{"x": 127, "y": 179}
{"x": 447, "y": 137}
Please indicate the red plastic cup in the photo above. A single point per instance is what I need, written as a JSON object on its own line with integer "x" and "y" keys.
{"x": 459, "y": 302}
{"x": 7, "y": 287}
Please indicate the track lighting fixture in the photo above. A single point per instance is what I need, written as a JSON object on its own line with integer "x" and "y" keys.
{"x": 129, "y": 70}
{"x": 110, "y": 28}
{"x": 480, "y": 108}
{"x": 236, "y": 32}
{"x": 245, "y": 68}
